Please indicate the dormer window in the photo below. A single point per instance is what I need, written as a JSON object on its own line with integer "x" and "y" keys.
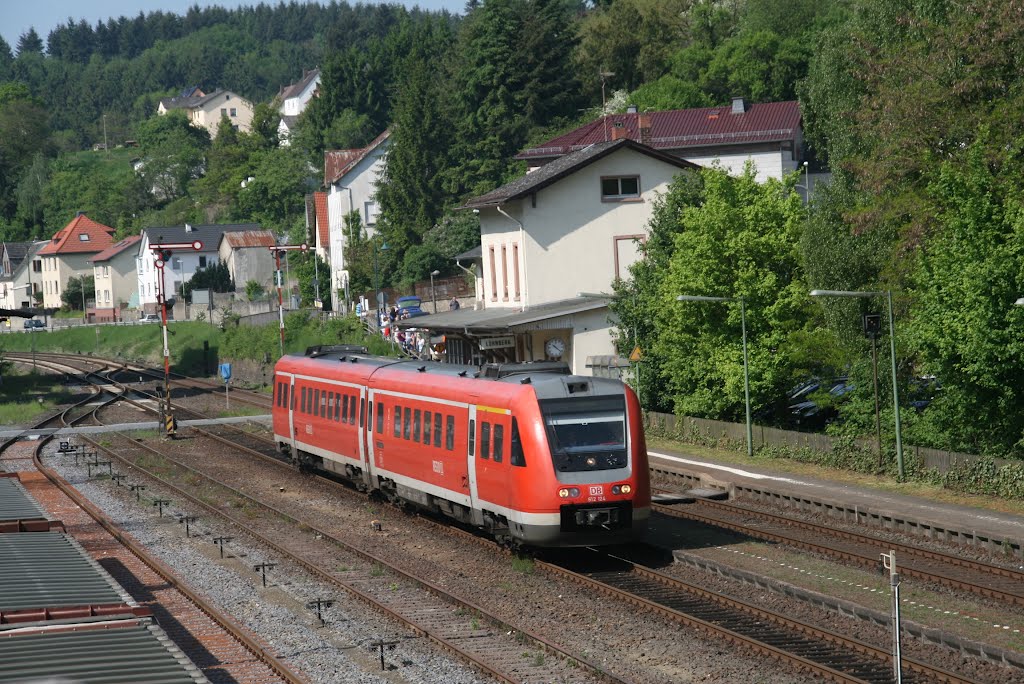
{"x": 84, "y": 237}
{"x": 620, "y": 187}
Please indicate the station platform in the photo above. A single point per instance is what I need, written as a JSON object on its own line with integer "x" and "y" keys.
{"x": 995, "y": 531}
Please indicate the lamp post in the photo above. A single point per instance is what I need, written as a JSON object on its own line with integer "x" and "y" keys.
{"x": 433, "y": 295}
{"x": 376, "y": 279}
{"x": 892, "y": 351}
{"x": 746, "y": 367}
{"x": 31, "y": 330}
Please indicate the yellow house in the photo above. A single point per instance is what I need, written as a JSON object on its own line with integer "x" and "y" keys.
{"x": 205, "y": 111}
{"x": 68, "y": 254}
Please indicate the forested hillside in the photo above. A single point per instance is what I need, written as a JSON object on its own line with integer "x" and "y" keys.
{"x": 911, "y": 104}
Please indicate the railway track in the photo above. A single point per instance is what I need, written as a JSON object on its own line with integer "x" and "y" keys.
{"x": 930, "y": 565}
{"x": 814, "y": 650}
{"x": 73, "y": 415}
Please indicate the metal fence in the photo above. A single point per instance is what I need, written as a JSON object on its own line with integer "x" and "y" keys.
{"x": 941, "y": 460}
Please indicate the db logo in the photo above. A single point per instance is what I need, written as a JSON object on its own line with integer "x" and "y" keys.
{"x": 597, "y": 490}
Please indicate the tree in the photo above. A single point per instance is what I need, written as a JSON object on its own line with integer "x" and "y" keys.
{"x": 24, "y": 132}
{"x": 216, "y": 277}
{"x": 72, "y": 295}
{"x": 740, "y": 241}
{"x": 29, "y": 43}
{"x": 173, "y": 152}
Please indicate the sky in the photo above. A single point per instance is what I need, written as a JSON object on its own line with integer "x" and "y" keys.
{"x": 16, "y": 16}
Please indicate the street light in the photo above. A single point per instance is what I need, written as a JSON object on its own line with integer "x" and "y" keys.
{"x": 433, "y": 295}
{"x": 892, "y": 351}
{"x": 376, "y": 279}
{"x": 746, "y": 368}
{"x": 31, "y": 294}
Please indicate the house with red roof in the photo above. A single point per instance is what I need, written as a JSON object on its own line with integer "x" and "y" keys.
{"x": 68, "y": 255}
{"x": 113, "y": 271}
{"x": 351, "y": 178}
{"x": 769, "y": 135}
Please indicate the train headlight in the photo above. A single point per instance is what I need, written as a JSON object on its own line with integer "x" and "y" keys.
{"x": 626, "y": 489}
{"x": 591, "y": 461}
{"x": 568, "y": 492}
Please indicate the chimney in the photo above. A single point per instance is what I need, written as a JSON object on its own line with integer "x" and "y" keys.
{"x": 644, "y": 124}
{"x": 188, "y": 227}
{"x": 739, "y": 105}
{"x": 619, "y": 131}
{"x": 631, "y": 109}
{"x": 79, "y": 213}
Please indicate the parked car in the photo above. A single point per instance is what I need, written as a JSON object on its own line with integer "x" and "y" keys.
{"x": 409, "y": 307}
{"x": 33, "y": 324}
{"x": 150, "y": 318}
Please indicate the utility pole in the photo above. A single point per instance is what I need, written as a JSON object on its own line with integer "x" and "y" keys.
{"x": 278, "y": 251}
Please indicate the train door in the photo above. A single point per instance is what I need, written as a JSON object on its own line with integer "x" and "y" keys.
{"x": 474, "y": 495}
{"x": 372, "y": 441}
{"x": 366, "y": 436}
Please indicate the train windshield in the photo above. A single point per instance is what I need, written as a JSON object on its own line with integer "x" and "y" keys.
{"x": 586, "y": 433}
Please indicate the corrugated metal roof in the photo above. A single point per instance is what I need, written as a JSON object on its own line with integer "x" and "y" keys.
{"x": 46, "y": 570}
{"x": 133, "y": 653}
{"x": 16, "y": 504}
{"x": 249, "y": 238}
{"x": 502, "y": 319}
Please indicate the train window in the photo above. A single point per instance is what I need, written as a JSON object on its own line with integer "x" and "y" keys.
{"x": 337, "y": 408}
{"x": 314, "y": 406}
{"x": 344, "y": 410}
{"x": 289, "y": 392}
{"x": 517, "y": 457}
{"x": 449, "y": 435}
{"x": 472, "y": 437}
{"x": 398, "y": 421}
{"x": 485, "y": 439}
{"x": 437, "y": 430}
{"x": 330, "y": 405}
{"x": 426, "y": 427}
{"x": 351, "y": 409}
{"x": 586, "y": 433}
{"x": 362, "y": 411}
{"x": 277, "y": 394}
{"x": 407, "y": 426}
{"x": 323, "y": 404}
{"x": 302, "y": 406}
{"x": 380, "y": 417}
{"x": 416, "y": 425}
{"x": 498, "y": 444}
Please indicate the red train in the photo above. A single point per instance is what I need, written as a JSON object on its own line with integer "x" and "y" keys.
{"x": 527, "y": 452}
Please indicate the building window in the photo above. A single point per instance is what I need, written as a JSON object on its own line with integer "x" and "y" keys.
{"x": 223, "y": 111}
{"x": 202, "y": 262}
{"x": 106, "y": 296}
{"x": 370, "y": 212}
{"x": 620, "y": 187}
{"x": 515, "y": 270}
{"x": 504, "y": 272}
{"x": 494, "y": 276}
{"x": 83, "y": 237}
{"x": 234, "y": 112}
{"x": 37, "y": 266}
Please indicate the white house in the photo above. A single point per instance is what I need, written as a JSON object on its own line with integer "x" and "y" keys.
{"x": 114, "y": 275}
{"x": 351, "y": 178}
{"x": 184, "y": 263}
{"x": 552, "y": 242}
{"x": 21, "y": 271}
{"x": 294, "y": 99}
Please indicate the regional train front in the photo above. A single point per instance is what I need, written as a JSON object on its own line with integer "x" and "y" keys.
{"x": 591, "y": 476}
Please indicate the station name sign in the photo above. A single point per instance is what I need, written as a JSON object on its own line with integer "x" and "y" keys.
{"x": 497, "y": 342}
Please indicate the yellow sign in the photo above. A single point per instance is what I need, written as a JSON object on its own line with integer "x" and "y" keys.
{"x": 637, "y": 354}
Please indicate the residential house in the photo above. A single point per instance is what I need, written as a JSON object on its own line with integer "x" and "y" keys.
{"x": 552, "y": 244}
{"x": 248, "y": 257}
{"x": 294, "y": 99}
{"x": 20, "y": 273}
{"x": 205, "y": 111}
{"x": 351, "y": 178}
{"x": 184, "y": 263}
{"x": 769, "y": 135}
{"x": 67, "y": 256}
{"x": 113, "y": 272}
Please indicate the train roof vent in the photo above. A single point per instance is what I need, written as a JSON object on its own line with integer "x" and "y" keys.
{"x": 496, "y": 371}
{"x": 324, "y": 349}
{"x": 577, "y": 387}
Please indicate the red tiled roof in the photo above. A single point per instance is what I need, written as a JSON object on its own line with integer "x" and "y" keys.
{"x": 322, "y": 228}
{"x": 249, "y": 238}
{"x": 681, "y": 128}
{"x": 339, "y": 162}
{"x": 67, "y": 240}
{"x": 116, "y": 249}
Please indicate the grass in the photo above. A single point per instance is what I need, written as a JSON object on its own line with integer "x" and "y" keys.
{"x": 21, "y": 392}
